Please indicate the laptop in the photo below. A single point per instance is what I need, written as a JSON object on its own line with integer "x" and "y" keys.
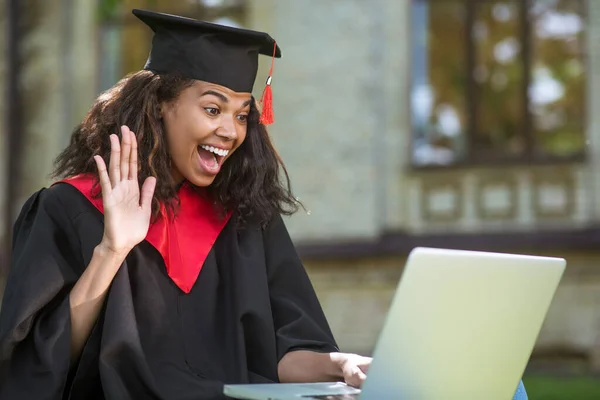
{"x": 462, "y": 325}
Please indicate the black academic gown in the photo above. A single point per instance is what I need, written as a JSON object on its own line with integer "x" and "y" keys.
{"x": 251, "y": 304}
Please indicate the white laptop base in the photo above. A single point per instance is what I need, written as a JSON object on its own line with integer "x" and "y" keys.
{"x": 288, "y": 391}
{"x": 462, "y": 325}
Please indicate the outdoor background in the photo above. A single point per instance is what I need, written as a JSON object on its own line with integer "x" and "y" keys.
{"x": 471, "y": 124}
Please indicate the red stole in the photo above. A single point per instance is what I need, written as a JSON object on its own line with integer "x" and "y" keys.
{"x": 185, "y": 241}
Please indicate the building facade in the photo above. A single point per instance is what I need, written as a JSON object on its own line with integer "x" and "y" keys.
{"x": 402, "y": 123}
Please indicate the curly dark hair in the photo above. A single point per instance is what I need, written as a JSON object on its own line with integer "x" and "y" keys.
{"x": 253, "y": 181}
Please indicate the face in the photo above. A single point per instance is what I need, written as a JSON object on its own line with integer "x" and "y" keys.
{"x": 204, "y": 126}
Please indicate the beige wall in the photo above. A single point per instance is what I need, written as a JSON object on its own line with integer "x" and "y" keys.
{"x": 355, "y": 296}
{"x": 341, "y": 105}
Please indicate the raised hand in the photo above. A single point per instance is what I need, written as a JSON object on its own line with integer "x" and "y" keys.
{"x": 126, "y": 212}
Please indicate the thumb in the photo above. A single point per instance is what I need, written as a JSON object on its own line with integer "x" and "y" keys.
{"x": 365, "y": 364}
{"x": 360, "y": 374}
{"x": 356, "y": 377}
{"x": 147, "y": 193}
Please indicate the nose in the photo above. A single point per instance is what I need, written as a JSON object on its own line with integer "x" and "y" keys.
{"x": 227, "y": 128}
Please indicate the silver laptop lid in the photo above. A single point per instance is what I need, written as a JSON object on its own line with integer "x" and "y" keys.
{"x": 462, "y": 325}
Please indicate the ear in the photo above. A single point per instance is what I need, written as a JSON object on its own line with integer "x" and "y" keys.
{"x": 163, "y": 108}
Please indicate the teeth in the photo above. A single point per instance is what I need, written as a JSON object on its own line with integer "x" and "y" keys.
{"x": 215, "y": 150}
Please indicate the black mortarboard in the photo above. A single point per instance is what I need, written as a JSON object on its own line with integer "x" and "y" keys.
{"x": 219, "y": 54}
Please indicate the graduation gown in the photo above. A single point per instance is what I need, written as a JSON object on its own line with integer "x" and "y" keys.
{"x": 251, "y": 304}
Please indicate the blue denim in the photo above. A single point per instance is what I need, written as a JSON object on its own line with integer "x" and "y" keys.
{"x": 520, "y": 394}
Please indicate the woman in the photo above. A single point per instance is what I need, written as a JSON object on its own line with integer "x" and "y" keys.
{"x": 168, "y": 290}
{"x": 167, "y": 271}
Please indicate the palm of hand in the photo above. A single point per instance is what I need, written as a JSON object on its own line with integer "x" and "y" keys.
{"x": 126, "y": 218}
{"x": 126, "y": 221}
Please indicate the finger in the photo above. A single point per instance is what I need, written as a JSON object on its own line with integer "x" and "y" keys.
{"x": 364, "y": 366}
{"x": 125, "y": 152}
{"x": 356, "y": 378}
{"x": 147, "y": 193}
{"x": 361, "y": 375}
{"x": 133, "y": 167}
{"x": 103, "y": 175}
{"x": 113, "y": 165}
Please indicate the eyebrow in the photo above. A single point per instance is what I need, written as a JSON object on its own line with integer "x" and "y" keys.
{"x": 222, "y": 97}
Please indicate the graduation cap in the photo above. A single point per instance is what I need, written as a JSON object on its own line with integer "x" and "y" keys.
{"x": 209, "y": 52}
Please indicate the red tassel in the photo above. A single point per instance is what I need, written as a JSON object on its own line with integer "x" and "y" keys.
{"x": 267, "y": 117}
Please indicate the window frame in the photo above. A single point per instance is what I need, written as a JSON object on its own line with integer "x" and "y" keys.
{"x": 474, "y": 158}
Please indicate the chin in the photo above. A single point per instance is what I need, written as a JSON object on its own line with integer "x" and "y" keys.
{"x": 201, "y": 181}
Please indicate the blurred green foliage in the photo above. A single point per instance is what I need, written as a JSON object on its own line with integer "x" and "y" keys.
{"x": 107, "y": 8}
{"x": 542, "y": 387}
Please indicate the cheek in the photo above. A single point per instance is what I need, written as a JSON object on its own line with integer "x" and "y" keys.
{"x": 183, "y": 131}
{"x": 242, "y": 133}
{"x": 172, "y": 131}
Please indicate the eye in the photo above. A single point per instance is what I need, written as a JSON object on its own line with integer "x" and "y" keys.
{"x": 243, "y": 118}
{"x": 211, "y": 110}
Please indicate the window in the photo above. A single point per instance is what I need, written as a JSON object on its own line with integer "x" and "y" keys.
{"x": 125, "y": 41}
{"x": 497, "y": 81}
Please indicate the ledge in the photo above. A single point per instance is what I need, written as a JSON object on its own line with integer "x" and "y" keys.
{"x": 401, "y": 243}
{"x": 488, "y": 162}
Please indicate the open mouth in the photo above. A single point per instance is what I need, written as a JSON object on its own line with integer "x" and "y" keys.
{"x": 211, "y": 158}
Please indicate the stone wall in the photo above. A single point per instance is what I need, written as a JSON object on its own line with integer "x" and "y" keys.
{"x": 340, "y": 102}
{"x": 355, "y": 296}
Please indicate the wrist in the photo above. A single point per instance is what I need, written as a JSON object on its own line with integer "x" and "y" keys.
{"x": 107, "y": 253}
{"x": 337, "y": 364}
{"x": 97, "y": 277}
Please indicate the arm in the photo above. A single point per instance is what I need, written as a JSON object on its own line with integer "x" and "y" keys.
{"x": 126, "y": 224}
{"x": 305, "y": 344}
{"x": 50, "y": 301}
{"x": 298, "y": 318}
{"x": 87, "y": 296}
{"x": 310, "y": 366}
